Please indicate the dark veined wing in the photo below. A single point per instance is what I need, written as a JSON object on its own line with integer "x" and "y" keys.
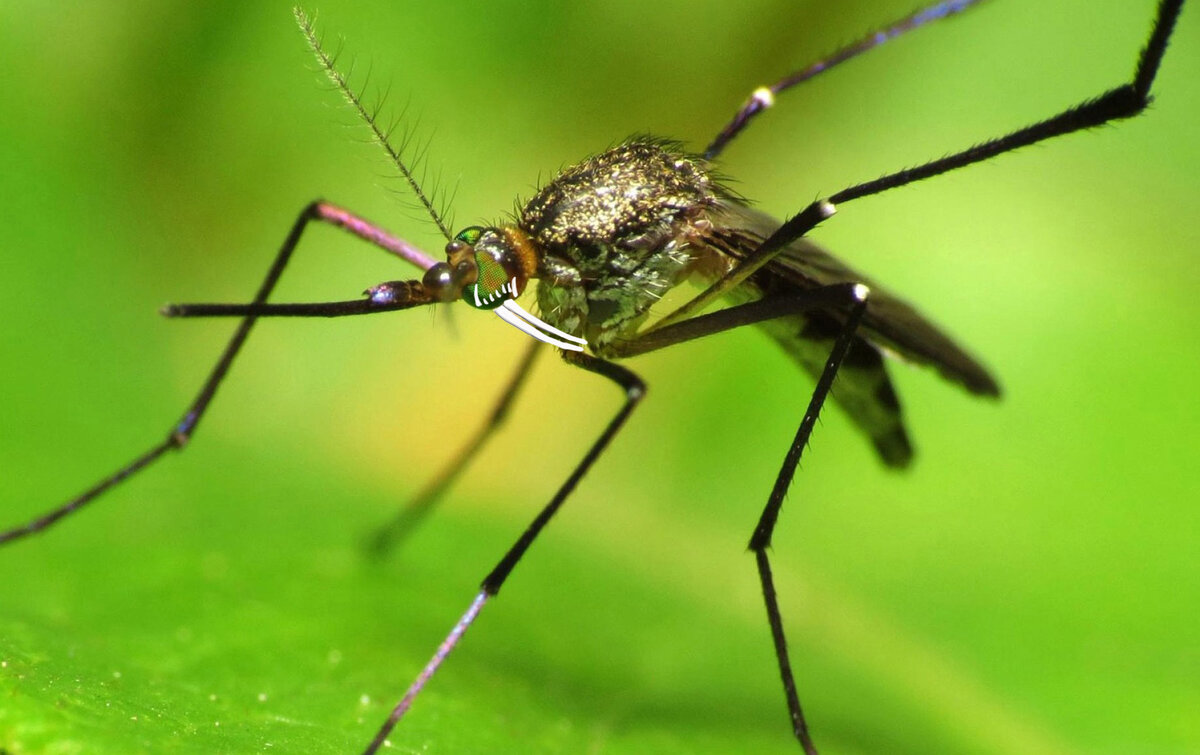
{"x": 890, "y": 322}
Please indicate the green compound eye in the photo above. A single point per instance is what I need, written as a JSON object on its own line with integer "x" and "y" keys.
{"x": 469, "y": 235}
{"x": 493, "y": 286}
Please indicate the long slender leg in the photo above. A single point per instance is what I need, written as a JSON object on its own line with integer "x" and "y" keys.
{"x": 1125, "y": 101}
{"x": 415, "y": 510}
{"x": 760, "y": 541}
{"x": 764, "y": 97}
{"x": 831, "y": 297}
{"x": 1121, "y": 102}
{"x": 840, "y": 295}
{"x": 634, "y": 390}
{"x": 182, "y": 430}
{"x": 850, "y": 296}
{"x": 368, "y": 231}
{"x": 417, "y": 296}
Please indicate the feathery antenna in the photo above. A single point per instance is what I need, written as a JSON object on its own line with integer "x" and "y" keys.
{"x": 328, "y": 63}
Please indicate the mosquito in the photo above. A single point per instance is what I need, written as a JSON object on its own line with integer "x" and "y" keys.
{"x": 593, "y": 252}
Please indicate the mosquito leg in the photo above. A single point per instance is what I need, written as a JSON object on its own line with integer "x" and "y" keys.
{"x": 764, "y": 97}
{"x": 1125, "y": 101}
{"x": 792, "y": 229}
{"x": 760, "y": 541}
{"x": 849, "y": 296}
{"x": 415, "y": 510}
{"x": 303, "y": 309}
{"x": 634, "y": 390}
{"x": 698, "y": 327}
{"x": 368, "y": 231}
{"x": 182, "y": 431}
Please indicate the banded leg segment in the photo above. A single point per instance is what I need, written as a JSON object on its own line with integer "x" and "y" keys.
{"x": 182, "y": 431}
{"x": 1121, "y": 102}
{"x": 1125, "y": 101}
{"x": 634, "y": 389}
{"x": 764, "y": 97}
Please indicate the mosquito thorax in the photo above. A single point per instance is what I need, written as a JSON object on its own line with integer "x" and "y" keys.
{"x": 615, "y": 233}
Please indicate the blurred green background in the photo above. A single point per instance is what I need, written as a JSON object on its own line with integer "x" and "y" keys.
{"x": 1031, "y": 585}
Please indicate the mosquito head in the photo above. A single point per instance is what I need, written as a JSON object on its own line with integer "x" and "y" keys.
{"x": 488, "y": 269}
{"x": 484, "y": 267}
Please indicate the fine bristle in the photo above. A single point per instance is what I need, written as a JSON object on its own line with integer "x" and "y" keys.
{"x": 354, "y": 98}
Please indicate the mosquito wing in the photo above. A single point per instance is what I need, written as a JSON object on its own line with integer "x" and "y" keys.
{"x": 890, "y": 322}
{"x": 890, "y": 326}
